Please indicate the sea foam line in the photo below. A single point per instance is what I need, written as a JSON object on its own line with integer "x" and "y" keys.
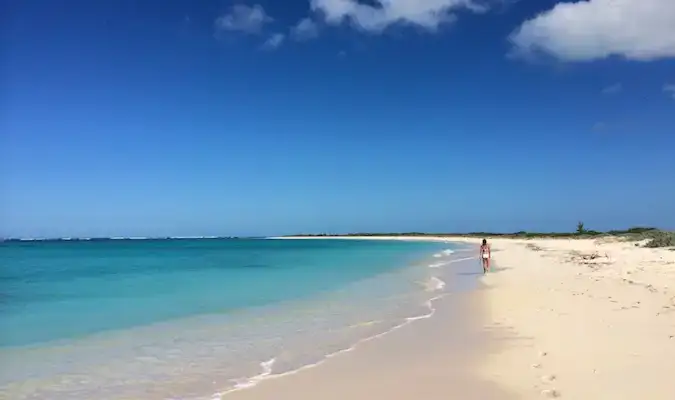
{"x": 436, "y": 283}
{"x": 440, "y": 264}
{"x": 252, "y": 381}
{"x": 446, "y": 252}
{"x": 267, "y": 365}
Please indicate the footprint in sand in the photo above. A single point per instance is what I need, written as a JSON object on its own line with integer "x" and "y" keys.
{"x": 550, "y": 393}
{"x": 541, "y": 354}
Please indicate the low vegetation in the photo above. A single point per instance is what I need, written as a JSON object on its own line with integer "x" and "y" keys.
{"x": 654, "y": 236}
{"x": 660, "y": 239}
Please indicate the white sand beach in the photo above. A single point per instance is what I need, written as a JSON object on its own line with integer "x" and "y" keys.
{"x": 578, "y": 319}
{"x": 596, "y": 319}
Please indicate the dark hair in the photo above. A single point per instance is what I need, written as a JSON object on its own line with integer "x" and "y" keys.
{"x": 484, "y": 241}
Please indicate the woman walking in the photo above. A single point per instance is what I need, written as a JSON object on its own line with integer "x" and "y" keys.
{"x": 485, "y": 255}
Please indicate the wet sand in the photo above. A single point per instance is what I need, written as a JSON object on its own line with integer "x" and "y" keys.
{"x": 433, "y": 358}
{"x": 578, "y": 319}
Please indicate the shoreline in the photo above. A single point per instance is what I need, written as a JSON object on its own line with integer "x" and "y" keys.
{"x": 267, "y": 366}
{"x": 196, "y": 357}
{"x": 403, "y": 238}
{"x": 395, "y": 364}
{"x": 249, "y": 385}
{"x": 558, "y": 317}
{"x": 461, "y": 307}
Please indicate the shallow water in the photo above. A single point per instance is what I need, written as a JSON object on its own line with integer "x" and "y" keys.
{"x": 187, "y": 319}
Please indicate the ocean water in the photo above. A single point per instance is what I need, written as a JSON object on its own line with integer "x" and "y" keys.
{"x": 191, "y": 319}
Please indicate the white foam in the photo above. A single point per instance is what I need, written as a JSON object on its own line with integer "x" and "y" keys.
{"x": 267, "y": 366}
{"x": 461, "y": 259}
{"x": 445, "y": 252}
{"x": 435, "y": 284}
{"x": 441, "y": 264}
{"x": 252, "y": 381}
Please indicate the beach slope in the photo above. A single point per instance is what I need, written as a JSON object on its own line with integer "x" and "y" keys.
{"x": 596, "y": 319}
{"x": 577, "y": 318}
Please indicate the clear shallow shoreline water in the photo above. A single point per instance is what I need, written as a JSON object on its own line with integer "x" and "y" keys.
{"x": 280, "y": 306}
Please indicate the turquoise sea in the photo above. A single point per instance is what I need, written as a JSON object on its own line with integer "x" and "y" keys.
{"x": 188, "y": 319}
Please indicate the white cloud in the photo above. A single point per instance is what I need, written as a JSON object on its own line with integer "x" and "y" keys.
{"x": 613, "y": 89}
{"x": 274, "y": 41}
{"x": 243, "y": 18}
{"x": 669, "y": 89}
{"x": 428, "y": 14}
{"x": 305, "y": 29}
{"x": 595, "y": 29}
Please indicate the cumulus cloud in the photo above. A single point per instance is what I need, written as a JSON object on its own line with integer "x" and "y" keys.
{"x": 613, "y": 89}
{"x": 305, "y": 29}
{"x": 428, "y": 14}
{"x": 669, "y": 89}
{"x": 243, "y": 18}
{"x": 588, "y": 30}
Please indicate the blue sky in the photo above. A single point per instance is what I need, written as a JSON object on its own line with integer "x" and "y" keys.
{"x": 147, "y": 118}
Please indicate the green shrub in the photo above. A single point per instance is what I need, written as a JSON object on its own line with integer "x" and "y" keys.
{"x": 661, "y": 239}
{"x": 632, "y": 231}
{"x": 580, "y": 228}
